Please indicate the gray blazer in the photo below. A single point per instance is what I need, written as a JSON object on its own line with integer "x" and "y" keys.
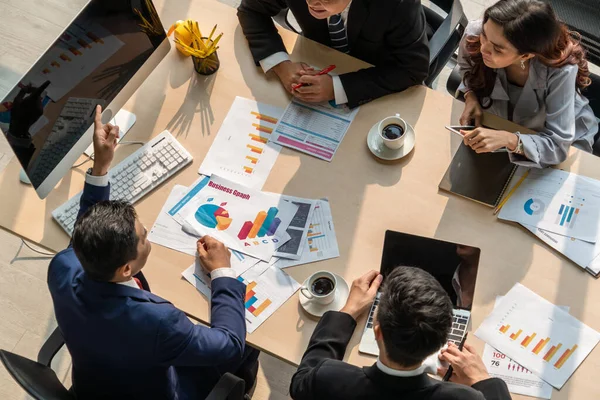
{"x": 550, "y": 105}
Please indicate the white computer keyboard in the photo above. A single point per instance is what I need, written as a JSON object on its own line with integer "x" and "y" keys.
{"x": 135, "y": 176}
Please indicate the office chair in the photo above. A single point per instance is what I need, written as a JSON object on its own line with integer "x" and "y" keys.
{"x": 41, "y": 382}
{"x": 444, "y": 34}
{"x": 283, "y": 19}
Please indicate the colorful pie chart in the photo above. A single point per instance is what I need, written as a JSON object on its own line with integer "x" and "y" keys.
{"x": 213, "y": 216}
{"x": 534, "y": 206}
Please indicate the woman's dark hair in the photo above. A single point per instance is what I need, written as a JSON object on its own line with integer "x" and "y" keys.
{"x": 104, "y": 238}
{"x": 531, "y": 26}
{"x": 414, "y": 314}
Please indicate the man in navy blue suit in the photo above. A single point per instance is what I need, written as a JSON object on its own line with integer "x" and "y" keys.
{"x": 126, "y": 342}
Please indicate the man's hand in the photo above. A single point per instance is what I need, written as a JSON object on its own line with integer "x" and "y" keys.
{"x": 362, "y": 293}
{"x": 318, "y": 88}
{"x": 213, "y": 254}
{"x": 467, "y": 366}
{"x": 472, "y": 114}
{"x": 289, "y": 73}
{"x": 484, "y": 140}
{"x": 105, "y": 142}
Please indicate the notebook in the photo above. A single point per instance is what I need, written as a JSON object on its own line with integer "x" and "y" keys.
{"x": 480, "y": 177}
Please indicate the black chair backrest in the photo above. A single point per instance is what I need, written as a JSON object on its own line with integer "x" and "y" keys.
{"x": 38, "y": 380}
{"x": 229, "y": 387}
{"x": 592, "y": 93}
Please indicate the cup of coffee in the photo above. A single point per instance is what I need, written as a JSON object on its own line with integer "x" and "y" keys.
{"x": 320, "y": 288}
{"x": 392, "y": 131}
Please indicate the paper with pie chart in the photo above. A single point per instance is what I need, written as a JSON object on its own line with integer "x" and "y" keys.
{"x": 244, "y": 219}
{"x": 558, "y": 202}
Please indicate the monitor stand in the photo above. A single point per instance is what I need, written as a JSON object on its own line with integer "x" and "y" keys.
{"x": 124, "y": 120}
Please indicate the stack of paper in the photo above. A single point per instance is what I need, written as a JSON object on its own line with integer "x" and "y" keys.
{"x": 563, "y": 210}
{"x": 538, "y": 335}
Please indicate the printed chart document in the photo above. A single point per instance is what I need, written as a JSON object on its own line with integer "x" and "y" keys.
{"x": 556, "y": 201}
{"x": 315, "y": 129}
{"x": 298, "y": 228}
{"x": 265, "y": 293}
{"x": 244, "y": 219}
{"x": 519, "y": 379}
{"x": 241, "y": 152}
{"x": 538, "y": 335}
{"x": 321, "y": 242}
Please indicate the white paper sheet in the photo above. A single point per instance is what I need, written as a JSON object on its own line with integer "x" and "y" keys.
{"x": 560, "y": 344}
{"x": 315, "y": 129}
{"x": 244, "y": 219}
{"x": 519, "y": 379}
{"x": 558, "y": 202}
{"x": 321, "y": 242}
{"x": 264, "y": 293}
{"x": 241, "y": 152}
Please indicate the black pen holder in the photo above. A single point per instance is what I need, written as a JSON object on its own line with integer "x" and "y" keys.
{"x": 207, "y": 65}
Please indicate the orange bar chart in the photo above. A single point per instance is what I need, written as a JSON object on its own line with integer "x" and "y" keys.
{"x": 262, "y": 128}
{"x": 565, "y": 356}
{"x": 255, "y": 149}
{"x": 552, "y": 352}
{"x": 515, "y": 335}
{"x": 528, "y": 340}
{"x": 263, "y": 117}
{"x": 260, "y": 218}
{"x": 248, "y": 170}
{"x": 504, "y": 328}
{"x": 256, "y": 312}
{"x": 253, "y": 160}
{"x": 541, "y": 344}
{"x": 259, "y": 138}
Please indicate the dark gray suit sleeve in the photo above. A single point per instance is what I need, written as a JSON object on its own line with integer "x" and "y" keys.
{"x": 493, "y": 389}
{"x": 407, "y": 63}
{"x": 255, "y": 18}
{"x": 328, "y": 341}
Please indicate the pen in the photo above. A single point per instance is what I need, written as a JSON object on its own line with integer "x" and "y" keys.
{"x": 512, "y": 191}
{"x": 322, "y": 72}
{"x": 460, "y": 347}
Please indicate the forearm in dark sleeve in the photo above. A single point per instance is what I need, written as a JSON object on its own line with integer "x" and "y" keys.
{"x": 328, "y": 341}
{"x": 493, "y": 389}
{"x": 255, "y": 18}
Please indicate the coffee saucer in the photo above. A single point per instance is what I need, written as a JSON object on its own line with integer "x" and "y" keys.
{"x": 379, "y": 150}
{"x": 316, "y": 309}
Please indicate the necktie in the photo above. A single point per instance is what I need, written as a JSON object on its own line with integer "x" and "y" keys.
{"x": 138, "y": 283}
{"x": 337, "y": 33}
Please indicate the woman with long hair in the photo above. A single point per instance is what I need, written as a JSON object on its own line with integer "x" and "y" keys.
{"x": 522, "y": 64}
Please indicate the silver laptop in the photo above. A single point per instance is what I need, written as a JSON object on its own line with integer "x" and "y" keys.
{"x": 453, "y": 265}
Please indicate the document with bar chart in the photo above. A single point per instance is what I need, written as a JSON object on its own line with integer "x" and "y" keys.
{"x": 241, "y": 151}
{"x": 538, "y": 335}
{"x": 556, "y": 201}
{"x": 298, "y": 228}
{"x": 245, "y": 219}
{"x": 321, "y": 241}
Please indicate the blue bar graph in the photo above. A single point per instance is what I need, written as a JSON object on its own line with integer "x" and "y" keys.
{"x": 564, "y": 215}
{"x": 251, "y": 301}
{"x": 570, "y": 214}
{"x": 271, "y": 214}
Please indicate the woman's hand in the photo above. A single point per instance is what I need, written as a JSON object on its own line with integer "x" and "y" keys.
{"x": 472, "y": 113}
{"x": 484, "y": 140}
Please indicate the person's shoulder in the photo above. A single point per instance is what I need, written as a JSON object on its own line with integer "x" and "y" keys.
{"x": 454, "y": 391}
{"x": 339, "y": 380}
{"x": 64, "y": 262}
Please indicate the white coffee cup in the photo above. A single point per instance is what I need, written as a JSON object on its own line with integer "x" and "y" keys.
{"x": 312, "y": 293}
{"x": 397, "y": 143}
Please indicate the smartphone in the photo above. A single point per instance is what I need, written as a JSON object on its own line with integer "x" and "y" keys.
{"x": 457, "y": 128}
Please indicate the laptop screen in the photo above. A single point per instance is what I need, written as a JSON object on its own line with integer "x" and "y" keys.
{"x": 453, "y": 265}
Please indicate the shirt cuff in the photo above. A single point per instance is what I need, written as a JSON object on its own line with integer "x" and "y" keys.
{"x": 101, "y": 181}
{"x": 223, "y": 272}
{"x": 339, "y": 92}
{"x": 273, "y": 60}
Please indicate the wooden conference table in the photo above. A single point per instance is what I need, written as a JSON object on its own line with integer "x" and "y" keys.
{"x": 367, "y": 197}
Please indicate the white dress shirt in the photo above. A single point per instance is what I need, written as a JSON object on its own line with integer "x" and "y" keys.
{"x": 396, "y": 372}
{"x": 277, "y": 58}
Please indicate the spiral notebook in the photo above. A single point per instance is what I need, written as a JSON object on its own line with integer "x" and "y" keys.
{"x": 480, "y": 177}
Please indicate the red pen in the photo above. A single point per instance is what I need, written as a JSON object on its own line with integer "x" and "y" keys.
{"x": 322, "y": 72}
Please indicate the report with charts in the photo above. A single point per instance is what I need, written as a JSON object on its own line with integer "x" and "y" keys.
{"x": 519, "y": 379}
{"x": 241, "y": 152}
{"x": 315, "y": 129}
{"x": 556, "y": 201}
{"x": 244, "y": 219}
{"x": 264, "y": 293}
{"x": 538, "y": 335}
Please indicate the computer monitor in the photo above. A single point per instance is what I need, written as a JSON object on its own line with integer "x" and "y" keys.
{"x": 102, "y": 57}
{"x": 454, "y": 265}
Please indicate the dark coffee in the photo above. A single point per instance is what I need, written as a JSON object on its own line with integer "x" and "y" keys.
{"x": 392, "y": 131}
{"x": 322, "y": 286}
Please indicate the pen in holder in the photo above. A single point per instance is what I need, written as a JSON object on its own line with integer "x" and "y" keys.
{"x": 209, "y": 64}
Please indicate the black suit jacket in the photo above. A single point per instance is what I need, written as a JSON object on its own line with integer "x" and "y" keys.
{"x": 389, "y": 34}
{"x": 322, "y": 374}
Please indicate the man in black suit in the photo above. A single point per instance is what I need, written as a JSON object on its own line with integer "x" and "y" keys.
{"x": 413, "y": 320}
{"x": 390, "y": 34}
